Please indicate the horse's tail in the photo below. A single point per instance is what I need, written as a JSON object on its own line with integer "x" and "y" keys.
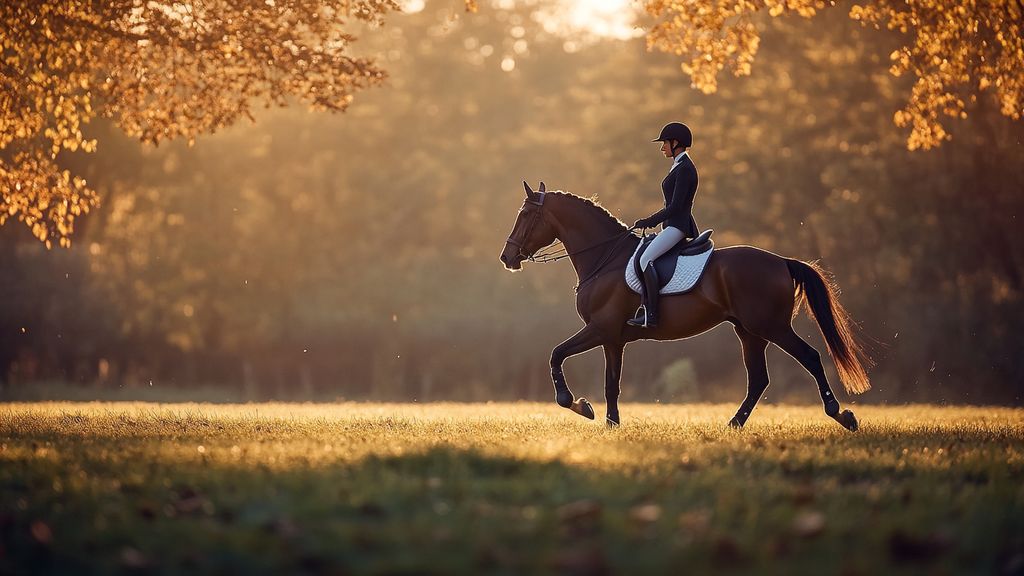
{"x": 817, "y": 289}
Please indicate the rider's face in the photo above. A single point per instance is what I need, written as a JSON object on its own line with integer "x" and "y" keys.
{"x": 666, "y": 148}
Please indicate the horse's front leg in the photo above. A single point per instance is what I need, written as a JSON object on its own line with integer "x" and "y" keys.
{"x": 587, "y": 338}
{"x": 612, "y": 374}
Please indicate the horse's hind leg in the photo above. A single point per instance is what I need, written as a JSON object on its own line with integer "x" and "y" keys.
{"x": 757, "y": 374}
{"x": 810, "y": 359}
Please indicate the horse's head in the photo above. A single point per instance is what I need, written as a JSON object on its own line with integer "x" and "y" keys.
{"x": 531, "y": 232}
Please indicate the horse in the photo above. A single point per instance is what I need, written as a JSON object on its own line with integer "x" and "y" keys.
{"x": 760, "y": 293}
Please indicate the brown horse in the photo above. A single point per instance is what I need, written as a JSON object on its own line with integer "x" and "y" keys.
{"x": 758, "y": 292}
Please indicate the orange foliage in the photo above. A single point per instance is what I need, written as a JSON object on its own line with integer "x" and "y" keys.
{"x": 161, "y": 71}
{"x": 954, "y": 49}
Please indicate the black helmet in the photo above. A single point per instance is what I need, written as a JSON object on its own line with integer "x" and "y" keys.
{"x": 676, "y": 131}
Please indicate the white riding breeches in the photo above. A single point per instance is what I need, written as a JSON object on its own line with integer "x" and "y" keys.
{"x": 662, "y": 243}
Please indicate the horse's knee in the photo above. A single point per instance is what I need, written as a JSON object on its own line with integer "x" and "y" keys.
{"x": 556, "y": 360}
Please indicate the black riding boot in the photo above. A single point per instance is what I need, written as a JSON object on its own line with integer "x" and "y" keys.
{"x": 647, "y": 314}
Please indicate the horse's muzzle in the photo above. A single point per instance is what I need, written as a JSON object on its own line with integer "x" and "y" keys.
{"x": 511, "y": 263}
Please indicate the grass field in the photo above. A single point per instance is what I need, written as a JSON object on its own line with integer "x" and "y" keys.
{"x": 507, "y": 489}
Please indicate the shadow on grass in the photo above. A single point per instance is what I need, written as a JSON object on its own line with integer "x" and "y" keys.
{"x": 451, "y": 511}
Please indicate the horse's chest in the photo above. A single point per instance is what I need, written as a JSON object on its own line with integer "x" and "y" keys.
{"x": 582, "y": 310}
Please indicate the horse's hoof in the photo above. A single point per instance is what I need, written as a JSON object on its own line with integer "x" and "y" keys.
{"x": 848, "y": 420}
{"x": 735, "y": 423}
{"x": 582, "y": 407}
{"x": 611, "y": 423}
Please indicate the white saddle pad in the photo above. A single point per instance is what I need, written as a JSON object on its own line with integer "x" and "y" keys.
{"x": 688, "y": 272}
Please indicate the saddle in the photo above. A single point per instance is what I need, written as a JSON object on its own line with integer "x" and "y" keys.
{"x": 666, "y": 263}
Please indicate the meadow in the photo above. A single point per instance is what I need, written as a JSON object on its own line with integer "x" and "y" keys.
{"x": 507, "y": 488}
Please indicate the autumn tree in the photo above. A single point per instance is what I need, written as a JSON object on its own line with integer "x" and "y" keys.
{"x": 160, "y": 70}
{"x": 954, "y": 50}
{"x": 254, "y": 258}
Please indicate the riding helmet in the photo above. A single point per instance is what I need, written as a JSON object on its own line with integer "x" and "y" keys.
{"x": 676, "y": 131}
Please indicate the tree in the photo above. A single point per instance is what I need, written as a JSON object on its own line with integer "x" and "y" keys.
{"x": 160, "y": 70}
{"x": 955, "y": 50}
{"x": 305, "y": 242}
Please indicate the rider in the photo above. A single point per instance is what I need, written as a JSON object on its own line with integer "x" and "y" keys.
{"x": 679, "y": 188}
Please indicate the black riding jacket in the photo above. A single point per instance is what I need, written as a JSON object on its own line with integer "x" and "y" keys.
{"x": 679, "y": 188}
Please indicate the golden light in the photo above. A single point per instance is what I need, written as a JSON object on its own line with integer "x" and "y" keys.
{"x": 593, "y": 19}
{"x": 598, "y": 19}
{"x": 412, "y": 6}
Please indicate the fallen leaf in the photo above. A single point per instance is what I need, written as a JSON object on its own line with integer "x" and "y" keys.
{"x": 809, "y": 524}
{"x": 41, "y": 532}
{"x": 645, "y": 513}
{"x": 133, "y": 558}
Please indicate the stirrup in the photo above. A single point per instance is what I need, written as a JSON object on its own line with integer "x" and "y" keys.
{"x": 638, "y": 319}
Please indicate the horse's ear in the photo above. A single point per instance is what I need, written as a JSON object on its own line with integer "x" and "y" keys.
{"x": 529, "y": 191}
{"x": 543, "y": 188}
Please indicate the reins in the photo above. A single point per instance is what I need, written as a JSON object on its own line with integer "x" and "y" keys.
{"x": 605, "y": 259}
{"x": 561, "y": 252}
{"x": 555, "y": 256}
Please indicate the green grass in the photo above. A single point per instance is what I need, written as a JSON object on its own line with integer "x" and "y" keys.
{"x": 506, "y": 489}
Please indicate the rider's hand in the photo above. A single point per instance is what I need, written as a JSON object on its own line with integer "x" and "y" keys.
{"x": 642, "y": 223}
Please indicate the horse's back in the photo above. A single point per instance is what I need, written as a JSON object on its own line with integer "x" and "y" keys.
{"x": 748, "y": 259}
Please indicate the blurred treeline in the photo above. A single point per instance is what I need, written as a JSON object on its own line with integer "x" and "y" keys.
{"x": 355, "y": 255}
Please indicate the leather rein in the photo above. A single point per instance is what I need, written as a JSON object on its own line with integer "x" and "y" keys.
{"x": 561, "y": 252}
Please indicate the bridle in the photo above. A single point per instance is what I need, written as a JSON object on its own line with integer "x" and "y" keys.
{"x": 529, "y": 230}
{"x": 560, "y": 252}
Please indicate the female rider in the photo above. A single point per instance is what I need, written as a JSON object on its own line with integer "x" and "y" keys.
{"x": 679, "y": 188}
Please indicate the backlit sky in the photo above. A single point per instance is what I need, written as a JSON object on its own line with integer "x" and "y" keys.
{"x": 598, "y": 18}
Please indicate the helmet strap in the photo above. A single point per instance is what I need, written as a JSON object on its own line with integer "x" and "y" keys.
{"x": 675, "y": 146}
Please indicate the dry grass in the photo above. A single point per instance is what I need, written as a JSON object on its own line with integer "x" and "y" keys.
{"x": 506, "y": 488}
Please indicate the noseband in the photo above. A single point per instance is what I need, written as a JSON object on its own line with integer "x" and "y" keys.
{"x": 529, "y": 228}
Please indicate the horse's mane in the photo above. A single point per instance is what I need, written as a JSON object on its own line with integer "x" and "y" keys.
{"x": 592, "y": 203}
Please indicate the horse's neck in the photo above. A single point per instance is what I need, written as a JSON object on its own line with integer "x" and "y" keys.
{"x": 582, "y": 229}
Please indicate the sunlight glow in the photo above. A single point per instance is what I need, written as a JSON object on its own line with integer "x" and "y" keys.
{"x": 598, "y": 19}
{"x": 589, "y": 20}
{"x": 412, "y": 6}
